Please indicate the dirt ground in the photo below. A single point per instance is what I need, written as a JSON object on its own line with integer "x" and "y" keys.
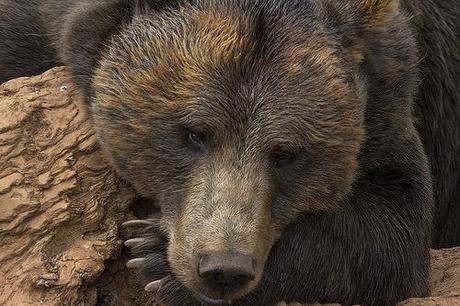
{"x": 61, "y": 205}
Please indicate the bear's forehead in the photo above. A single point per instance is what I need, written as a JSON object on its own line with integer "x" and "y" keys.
{"x": 197, "y": 40}
{"x": 223, "y": 49}
{"x": 222, "y": 64}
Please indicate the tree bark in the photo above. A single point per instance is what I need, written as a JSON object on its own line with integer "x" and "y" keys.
{"x": 61, "y": 204}
{"x": 60, "y": 201}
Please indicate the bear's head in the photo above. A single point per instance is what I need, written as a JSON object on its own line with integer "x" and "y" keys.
{"x": 237, "y": 116}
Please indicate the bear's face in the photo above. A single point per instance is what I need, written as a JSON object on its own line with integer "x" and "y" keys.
{"x": 233, "y": 125}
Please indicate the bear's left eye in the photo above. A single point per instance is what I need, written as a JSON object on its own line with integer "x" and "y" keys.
{"x": 197, "y": 139}
{"x": 282, "y": 158}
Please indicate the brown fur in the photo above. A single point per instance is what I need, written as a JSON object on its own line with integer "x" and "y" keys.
{"x": 347, "y": 216}
{"x": 379, "y": 11}
{"x": 207, "y": 44}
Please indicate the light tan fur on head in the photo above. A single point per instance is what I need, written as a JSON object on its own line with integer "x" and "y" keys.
{"x": 171, "y": 65}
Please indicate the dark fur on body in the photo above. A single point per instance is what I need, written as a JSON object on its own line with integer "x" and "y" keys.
{"x": 349, "y": 220}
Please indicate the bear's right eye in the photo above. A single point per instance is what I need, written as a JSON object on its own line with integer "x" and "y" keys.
{"x": 196, "y": 139}
{"x": 282, "y": 158}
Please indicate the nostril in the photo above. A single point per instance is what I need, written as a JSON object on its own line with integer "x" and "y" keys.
{"x": 226, "y": 271}
{"x": 227, "y": 277}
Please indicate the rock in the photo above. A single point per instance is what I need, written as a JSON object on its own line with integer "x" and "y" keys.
{"x": 61, "y": 204}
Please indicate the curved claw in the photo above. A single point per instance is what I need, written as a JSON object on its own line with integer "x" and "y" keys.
{"x": 153, "y": 286}
{"x": 156, "y": 285}
{"x": 136, "y": 263}
{"x": 133, "y": 242}
{"x": 137, "y": 223}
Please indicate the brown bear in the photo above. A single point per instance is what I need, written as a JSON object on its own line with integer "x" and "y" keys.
{"x": 297, "y": 148}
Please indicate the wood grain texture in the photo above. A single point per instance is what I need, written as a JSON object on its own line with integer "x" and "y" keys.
{"x": 60, "y": 202}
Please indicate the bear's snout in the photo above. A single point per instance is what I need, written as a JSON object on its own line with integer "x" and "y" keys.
{"x": 226, "y": 272}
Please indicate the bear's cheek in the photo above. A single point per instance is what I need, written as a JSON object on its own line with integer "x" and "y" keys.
{"x": 320, "y": 188}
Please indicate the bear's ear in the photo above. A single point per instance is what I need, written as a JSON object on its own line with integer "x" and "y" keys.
{"x": 377, "y": 12}
{"x": 87, "y": 28}
{"x": 367, "y": 15}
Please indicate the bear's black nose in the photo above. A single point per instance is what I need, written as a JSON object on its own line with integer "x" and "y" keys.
{"x": 225, "y": 272}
